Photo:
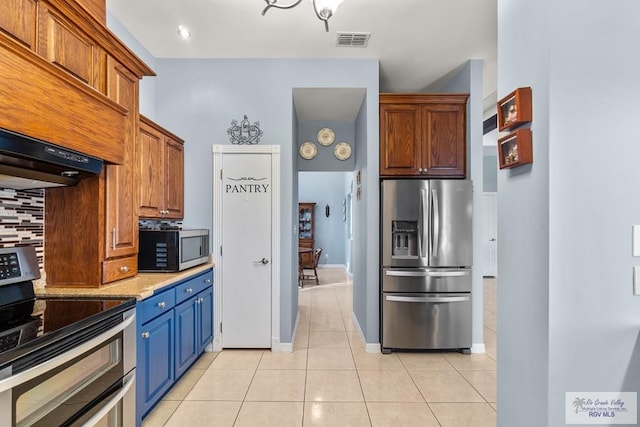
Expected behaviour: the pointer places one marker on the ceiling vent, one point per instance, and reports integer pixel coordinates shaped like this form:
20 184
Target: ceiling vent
352 39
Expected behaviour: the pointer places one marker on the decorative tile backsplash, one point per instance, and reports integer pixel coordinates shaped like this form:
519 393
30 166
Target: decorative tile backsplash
158 224
22 219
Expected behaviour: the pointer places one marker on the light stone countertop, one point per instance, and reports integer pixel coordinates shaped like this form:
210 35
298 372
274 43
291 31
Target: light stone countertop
140 287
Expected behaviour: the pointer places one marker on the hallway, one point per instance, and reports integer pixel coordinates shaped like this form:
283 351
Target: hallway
329 379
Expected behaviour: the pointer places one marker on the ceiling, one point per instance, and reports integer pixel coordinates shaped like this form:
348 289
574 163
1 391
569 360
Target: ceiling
418 42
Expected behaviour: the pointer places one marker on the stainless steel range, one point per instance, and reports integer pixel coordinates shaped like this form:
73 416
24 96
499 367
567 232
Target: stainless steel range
63 362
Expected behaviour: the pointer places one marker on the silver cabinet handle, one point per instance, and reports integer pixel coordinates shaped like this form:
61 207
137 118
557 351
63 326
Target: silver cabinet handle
113 238
145 335
424 170
188 290
428 299
207 281
262 261
162 304
124 269
419 170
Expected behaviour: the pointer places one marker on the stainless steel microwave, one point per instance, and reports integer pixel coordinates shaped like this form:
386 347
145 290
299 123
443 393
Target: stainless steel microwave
172 250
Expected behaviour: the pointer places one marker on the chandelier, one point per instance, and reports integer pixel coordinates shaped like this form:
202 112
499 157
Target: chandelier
324 9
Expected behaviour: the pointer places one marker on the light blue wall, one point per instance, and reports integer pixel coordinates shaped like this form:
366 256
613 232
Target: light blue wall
366 217
198 98
326 188
523 250
565 266
469 80
325 160
490 173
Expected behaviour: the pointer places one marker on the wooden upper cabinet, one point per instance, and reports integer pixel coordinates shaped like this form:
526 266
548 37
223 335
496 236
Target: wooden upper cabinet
443 130
18 20
150 160
423 135
400 133
121 219
174 178
95 223
161 172
64 45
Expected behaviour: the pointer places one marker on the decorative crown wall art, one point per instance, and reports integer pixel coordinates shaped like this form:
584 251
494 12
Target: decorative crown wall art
244 132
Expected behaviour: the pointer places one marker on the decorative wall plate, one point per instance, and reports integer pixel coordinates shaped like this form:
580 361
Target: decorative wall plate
326 136
308 150
342 151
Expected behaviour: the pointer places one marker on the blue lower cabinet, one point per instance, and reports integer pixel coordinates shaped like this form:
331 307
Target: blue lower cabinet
186 315
174 327
205 319
154 371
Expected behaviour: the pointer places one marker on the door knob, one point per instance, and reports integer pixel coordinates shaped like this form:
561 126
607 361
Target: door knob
262 261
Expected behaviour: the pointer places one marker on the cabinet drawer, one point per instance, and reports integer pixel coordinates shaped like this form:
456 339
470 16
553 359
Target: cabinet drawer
120 268
156 305
192 286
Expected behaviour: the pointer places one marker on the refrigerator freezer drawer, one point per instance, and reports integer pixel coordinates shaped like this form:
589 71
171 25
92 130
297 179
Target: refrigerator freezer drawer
426 321
426 280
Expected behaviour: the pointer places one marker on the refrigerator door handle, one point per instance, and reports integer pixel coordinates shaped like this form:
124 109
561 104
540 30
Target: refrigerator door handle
447 274
422 238
428 299
406 273
395 273
435 214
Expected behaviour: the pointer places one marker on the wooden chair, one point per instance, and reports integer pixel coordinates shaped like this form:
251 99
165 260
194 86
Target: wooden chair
312 266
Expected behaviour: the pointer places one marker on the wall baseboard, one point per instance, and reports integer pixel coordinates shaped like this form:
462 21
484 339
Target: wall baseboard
368 347
478 347
332 266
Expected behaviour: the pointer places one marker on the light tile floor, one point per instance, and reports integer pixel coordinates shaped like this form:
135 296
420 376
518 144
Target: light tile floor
329 380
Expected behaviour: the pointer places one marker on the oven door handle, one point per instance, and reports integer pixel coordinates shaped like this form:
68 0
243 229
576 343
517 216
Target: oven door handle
29 374
128 382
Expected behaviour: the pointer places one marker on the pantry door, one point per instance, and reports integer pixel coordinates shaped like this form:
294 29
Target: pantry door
246 214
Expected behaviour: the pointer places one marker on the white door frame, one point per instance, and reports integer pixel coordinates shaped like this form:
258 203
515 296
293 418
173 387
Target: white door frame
218 274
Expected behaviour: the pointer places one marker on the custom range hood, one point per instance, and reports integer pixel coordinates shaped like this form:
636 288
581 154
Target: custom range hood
29 163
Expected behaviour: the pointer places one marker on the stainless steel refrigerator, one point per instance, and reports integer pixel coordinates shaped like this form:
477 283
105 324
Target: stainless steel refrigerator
427 255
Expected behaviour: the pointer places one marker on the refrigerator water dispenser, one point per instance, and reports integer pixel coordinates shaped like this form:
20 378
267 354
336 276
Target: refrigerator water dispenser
405 239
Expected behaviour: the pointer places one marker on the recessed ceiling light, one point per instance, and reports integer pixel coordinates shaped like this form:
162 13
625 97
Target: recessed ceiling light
184 32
